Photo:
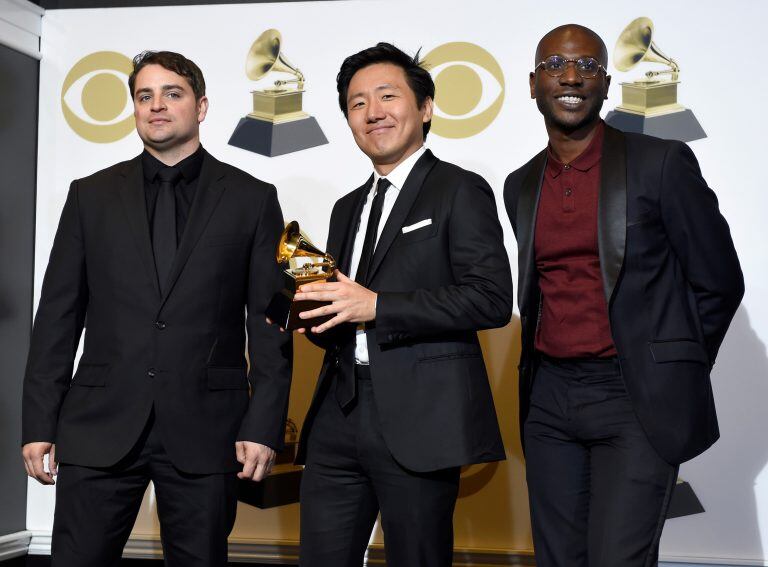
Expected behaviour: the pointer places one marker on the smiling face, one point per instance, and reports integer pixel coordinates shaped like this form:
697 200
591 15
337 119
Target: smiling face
167 114
570 102
384 117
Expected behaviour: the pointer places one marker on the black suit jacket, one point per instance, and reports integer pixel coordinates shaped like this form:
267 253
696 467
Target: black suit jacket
184 352
436 286
671 278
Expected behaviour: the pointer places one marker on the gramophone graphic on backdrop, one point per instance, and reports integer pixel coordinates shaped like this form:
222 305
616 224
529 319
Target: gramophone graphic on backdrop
684 501
649 105
277 125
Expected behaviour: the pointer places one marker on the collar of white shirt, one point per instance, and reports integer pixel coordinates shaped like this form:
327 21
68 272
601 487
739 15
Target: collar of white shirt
398 175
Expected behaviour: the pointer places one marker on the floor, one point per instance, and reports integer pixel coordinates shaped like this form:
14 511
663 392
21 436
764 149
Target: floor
45 561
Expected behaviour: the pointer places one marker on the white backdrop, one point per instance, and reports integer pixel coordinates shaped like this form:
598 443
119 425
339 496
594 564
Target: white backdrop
724 79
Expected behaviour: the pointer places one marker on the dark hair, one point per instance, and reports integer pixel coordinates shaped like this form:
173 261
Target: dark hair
173 62
419 79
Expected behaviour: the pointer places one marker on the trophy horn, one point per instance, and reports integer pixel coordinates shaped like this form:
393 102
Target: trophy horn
635 44
265 56
293 244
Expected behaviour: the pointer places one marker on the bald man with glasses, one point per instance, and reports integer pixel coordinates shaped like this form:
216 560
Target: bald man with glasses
628 281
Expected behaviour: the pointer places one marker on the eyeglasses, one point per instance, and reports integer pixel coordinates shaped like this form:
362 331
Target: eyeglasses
586 67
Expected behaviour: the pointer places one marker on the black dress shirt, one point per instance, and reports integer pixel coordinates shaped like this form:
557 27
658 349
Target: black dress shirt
184 190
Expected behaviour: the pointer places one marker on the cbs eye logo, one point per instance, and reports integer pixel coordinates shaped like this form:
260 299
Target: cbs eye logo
469 89
94 97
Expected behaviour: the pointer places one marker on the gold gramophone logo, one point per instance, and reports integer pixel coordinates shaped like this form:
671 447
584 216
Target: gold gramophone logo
277 124
302 263
649 104
469 89
95 98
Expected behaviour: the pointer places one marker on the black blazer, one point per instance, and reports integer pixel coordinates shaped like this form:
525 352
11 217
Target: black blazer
671 278
183 353
437 286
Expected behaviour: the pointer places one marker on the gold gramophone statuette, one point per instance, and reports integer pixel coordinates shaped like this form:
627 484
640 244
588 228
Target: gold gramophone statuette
281 103
656 92
303 263
277 124
649 104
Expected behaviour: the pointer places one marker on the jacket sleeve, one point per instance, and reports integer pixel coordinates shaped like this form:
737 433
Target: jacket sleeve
480 298
57 329
701 240
511 195
270 351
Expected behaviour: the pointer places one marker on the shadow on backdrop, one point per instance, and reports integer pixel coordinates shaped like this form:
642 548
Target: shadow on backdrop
724 477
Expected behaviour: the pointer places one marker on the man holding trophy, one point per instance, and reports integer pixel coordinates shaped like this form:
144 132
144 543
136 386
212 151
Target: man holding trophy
403 399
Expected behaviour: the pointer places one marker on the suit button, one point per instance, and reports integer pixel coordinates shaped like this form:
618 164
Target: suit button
336 361
152 372
160 325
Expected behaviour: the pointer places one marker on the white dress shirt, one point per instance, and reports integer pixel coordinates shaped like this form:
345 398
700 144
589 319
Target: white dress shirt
397 179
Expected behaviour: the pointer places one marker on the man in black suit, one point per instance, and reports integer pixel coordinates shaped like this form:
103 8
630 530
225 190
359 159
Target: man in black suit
628 280
403 398
159 258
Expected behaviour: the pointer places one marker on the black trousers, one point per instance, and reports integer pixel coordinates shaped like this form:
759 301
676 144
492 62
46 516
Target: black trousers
96 509
350 475
598 490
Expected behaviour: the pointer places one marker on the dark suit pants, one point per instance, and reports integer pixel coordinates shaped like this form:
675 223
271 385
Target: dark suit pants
96 509
350 475
598 490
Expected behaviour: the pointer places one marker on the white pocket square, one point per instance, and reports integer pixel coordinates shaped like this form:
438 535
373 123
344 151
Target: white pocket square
420 224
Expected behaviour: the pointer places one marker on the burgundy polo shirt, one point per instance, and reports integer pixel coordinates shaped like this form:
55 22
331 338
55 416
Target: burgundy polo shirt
574 314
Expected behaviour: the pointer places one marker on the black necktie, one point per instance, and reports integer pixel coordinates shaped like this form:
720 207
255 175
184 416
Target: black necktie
371 232
164 224
346 386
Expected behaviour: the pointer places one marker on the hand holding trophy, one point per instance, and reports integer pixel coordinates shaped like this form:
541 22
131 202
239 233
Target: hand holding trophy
304 263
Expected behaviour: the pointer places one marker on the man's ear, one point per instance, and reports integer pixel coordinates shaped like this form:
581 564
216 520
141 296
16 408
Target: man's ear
532 83
202 108
428 107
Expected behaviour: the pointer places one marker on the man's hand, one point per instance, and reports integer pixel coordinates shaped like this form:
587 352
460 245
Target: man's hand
257 460
350 302
33 454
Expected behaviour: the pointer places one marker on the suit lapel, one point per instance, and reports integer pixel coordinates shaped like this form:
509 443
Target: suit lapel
612 209
134 201
527 208
403 204
353 224
210 187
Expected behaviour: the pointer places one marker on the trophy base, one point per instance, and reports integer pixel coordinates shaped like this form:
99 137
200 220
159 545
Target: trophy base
287 455
278 489
684 501
650 97
681 125
283 311
275 139
277 105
